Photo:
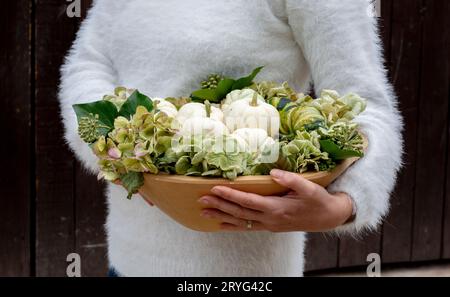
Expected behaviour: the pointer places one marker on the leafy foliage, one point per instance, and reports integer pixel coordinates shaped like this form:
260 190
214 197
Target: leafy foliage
131 104
103 112
132 137
225 86
337 153
132 181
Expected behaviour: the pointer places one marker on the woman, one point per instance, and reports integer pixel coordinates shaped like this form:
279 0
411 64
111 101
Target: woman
164 48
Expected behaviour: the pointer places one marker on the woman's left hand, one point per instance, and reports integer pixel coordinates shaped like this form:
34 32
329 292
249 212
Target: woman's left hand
308 207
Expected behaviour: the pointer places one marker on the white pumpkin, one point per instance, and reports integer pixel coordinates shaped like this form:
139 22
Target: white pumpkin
205 127
198 110
252 113
237 95
254 138
242 145
165 106
265 148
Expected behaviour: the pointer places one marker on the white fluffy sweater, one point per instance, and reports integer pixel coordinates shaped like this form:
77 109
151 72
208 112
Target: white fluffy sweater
164 48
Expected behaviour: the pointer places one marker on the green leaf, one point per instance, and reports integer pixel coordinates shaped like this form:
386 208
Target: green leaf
106 111
214 172
224 87
246 81
132 181
206 94
336 153
136 99
182 166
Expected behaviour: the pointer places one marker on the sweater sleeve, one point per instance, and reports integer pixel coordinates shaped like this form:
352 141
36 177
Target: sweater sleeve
86 76
340 41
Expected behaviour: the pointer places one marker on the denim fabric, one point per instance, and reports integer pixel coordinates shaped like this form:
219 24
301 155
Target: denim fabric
113 273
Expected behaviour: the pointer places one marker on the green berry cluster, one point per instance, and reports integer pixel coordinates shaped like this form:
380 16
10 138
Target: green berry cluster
212 81
88 128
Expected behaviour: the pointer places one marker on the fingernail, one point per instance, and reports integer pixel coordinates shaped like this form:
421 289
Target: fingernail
276 173
204 201
217 190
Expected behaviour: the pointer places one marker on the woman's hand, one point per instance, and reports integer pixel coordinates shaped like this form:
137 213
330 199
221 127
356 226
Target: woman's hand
308 207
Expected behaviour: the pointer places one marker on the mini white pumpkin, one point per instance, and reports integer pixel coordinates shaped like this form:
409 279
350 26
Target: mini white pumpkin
164 106
198 110
257 141
252 113
254 138
237 95
206 127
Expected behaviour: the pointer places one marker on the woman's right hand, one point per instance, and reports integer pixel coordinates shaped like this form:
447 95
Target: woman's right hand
147 199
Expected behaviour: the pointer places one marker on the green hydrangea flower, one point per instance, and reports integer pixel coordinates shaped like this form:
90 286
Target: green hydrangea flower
134 145
336 108
214 157
273 92
345 135
119 97
303 154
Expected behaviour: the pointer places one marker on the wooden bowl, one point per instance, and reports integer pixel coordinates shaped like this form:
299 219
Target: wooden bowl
178 195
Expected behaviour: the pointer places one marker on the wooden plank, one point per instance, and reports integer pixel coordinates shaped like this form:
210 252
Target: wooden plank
15 151
55 220
321 252
446 229
432 134
90 220
385 24
353 252
90 215
405 71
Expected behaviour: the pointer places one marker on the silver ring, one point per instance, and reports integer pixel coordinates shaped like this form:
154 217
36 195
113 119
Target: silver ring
249 224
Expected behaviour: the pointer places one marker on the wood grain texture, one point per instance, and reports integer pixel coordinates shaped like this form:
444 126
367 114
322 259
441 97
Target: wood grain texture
446 227
90 217
90 213
321 252
16 149
353 252
432 134
405 51
55 219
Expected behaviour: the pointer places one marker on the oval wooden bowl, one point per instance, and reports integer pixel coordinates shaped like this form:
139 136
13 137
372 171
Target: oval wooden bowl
178 195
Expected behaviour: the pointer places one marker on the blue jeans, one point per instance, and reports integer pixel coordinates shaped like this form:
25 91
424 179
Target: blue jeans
113 273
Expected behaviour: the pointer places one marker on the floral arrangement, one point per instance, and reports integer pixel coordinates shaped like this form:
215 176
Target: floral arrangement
227 128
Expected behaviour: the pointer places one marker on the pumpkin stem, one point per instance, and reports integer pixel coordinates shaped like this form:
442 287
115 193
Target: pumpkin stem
155 104
254 101
208 108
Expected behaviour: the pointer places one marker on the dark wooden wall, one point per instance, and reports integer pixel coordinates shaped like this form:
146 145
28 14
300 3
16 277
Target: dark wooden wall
49 207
